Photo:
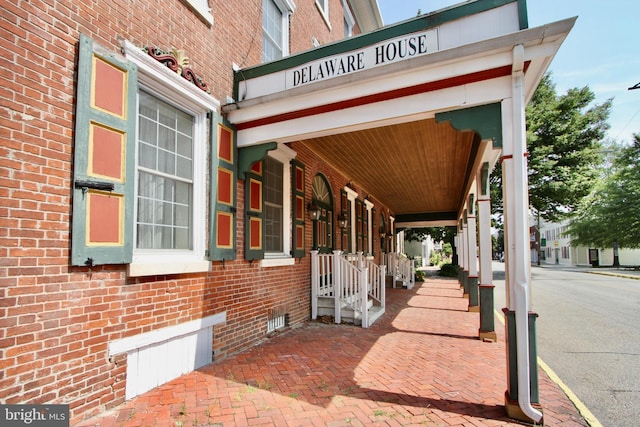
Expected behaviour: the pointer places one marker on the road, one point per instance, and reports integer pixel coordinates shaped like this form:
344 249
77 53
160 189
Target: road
588 332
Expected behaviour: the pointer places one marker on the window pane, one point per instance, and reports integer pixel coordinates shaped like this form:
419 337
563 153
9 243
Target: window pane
271 31
273 204
147 156
165 195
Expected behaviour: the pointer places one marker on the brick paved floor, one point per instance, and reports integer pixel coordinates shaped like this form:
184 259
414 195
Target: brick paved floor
420 364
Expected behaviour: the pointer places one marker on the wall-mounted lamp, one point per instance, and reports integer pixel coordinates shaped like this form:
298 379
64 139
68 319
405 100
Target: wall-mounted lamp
314 211
343 221
383 235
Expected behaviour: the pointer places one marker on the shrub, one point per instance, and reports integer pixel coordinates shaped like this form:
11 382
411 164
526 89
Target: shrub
420 274
449 270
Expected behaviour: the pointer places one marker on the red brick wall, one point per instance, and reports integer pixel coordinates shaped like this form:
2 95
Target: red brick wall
55 320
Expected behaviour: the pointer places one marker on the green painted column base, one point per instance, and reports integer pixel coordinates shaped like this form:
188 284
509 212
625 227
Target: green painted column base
465 282
515 412
474 305
511 395
487 317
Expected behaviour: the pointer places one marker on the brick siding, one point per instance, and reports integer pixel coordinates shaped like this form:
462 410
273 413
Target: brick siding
56 320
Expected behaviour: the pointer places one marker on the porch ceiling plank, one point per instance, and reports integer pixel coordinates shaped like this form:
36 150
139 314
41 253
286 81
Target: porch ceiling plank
415 167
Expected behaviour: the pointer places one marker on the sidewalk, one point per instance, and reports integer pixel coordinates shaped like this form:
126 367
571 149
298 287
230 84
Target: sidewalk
420 364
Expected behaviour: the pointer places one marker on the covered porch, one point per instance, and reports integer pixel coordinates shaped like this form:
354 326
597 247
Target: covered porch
417 114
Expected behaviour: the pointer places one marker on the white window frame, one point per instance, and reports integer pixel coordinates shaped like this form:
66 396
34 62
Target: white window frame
287 7
351 197
202 9
348 17
369 206
323 8
284 155
158 80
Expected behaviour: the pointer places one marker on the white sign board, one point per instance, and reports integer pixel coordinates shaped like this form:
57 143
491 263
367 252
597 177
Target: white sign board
383 53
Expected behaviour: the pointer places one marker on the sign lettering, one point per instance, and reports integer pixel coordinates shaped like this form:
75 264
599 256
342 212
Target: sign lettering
387 52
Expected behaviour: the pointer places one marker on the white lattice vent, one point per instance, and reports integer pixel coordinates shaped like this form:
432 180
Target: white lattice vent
277 318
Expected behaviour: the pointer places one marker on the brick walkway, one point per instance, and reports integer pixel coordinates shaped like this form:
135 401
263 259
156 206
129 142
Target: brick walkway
420 364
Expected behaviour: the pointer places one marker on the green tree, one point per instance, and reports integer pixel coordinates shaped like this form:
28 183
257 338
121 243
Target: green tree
611 212
564 141
438 234
447 250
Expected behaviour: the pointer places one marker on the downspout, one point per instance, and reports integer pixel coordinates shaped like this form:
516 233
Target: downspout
522 267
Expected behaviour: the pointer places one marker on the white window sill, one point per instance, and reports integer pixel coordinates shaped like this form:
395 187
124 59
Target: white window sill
277 262
139 269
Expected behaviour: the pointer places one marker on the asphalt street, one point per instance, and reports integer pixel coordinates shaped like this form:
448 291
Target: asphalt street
588 333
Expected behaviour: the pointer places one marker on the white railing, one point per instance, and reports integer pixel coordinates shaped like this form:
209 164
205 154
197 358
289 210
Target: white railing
406 271
349 279
401 268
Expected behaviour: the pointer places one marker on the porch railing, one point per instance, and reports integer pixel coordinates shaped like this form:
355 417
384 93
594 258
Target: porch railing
349 280
400 268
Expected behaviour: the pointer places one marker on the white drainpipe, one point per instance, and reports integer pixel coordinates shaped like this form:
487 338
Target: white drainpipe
522 267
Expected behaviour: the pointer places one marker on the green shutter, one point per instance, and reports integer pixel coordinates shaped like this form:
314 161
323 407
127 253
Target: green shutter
104 156
298 209
345 233
373 232
254 212
359 227
222 237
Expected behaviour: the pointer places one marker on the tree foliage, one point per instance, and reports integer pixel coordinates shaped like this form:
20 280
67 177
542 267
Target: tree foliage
564 141
611 212
438 234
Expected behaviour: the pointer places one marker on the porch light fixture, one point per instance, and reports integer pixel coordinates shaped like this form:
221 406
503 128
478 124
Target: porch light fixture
382 235
343 221
314 211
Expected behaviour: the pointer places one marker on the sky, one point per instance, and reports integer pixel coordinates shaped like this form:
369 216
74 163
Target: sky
602 50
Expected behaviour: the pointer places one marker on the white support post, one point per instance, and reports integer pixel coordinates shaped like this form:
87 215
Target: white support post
485 287
484 231
465 258
364 295
315 278
383 275
337 285
473 258
516 203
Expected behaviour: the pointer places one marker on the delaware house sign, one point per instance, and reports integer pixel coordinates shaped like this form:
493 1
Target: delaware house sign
383 53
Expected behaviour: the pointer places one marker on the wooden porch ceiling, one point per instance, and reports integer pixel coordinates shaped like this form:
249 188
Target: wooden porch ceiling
419 167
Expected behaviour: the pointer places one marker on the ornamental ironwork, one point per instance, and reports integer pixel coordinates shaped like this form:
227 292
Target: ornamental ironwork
178 62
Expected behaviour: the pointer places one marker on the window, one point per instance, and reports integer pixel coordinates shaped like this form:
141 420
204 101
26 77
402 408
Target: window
277 206
273 205
171 171
349 22
323 7
165 176
321 196
275 28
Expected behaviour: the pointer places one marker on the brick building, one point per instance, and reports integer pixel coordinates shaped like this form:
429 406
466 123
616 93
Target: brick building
59 318
161 163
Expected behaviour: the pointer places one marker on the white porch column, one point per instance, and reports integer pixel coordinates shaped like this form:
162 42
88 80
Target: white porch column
351 197
473 259
393 248
465 254
516 208
458 253
485 287
369 206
